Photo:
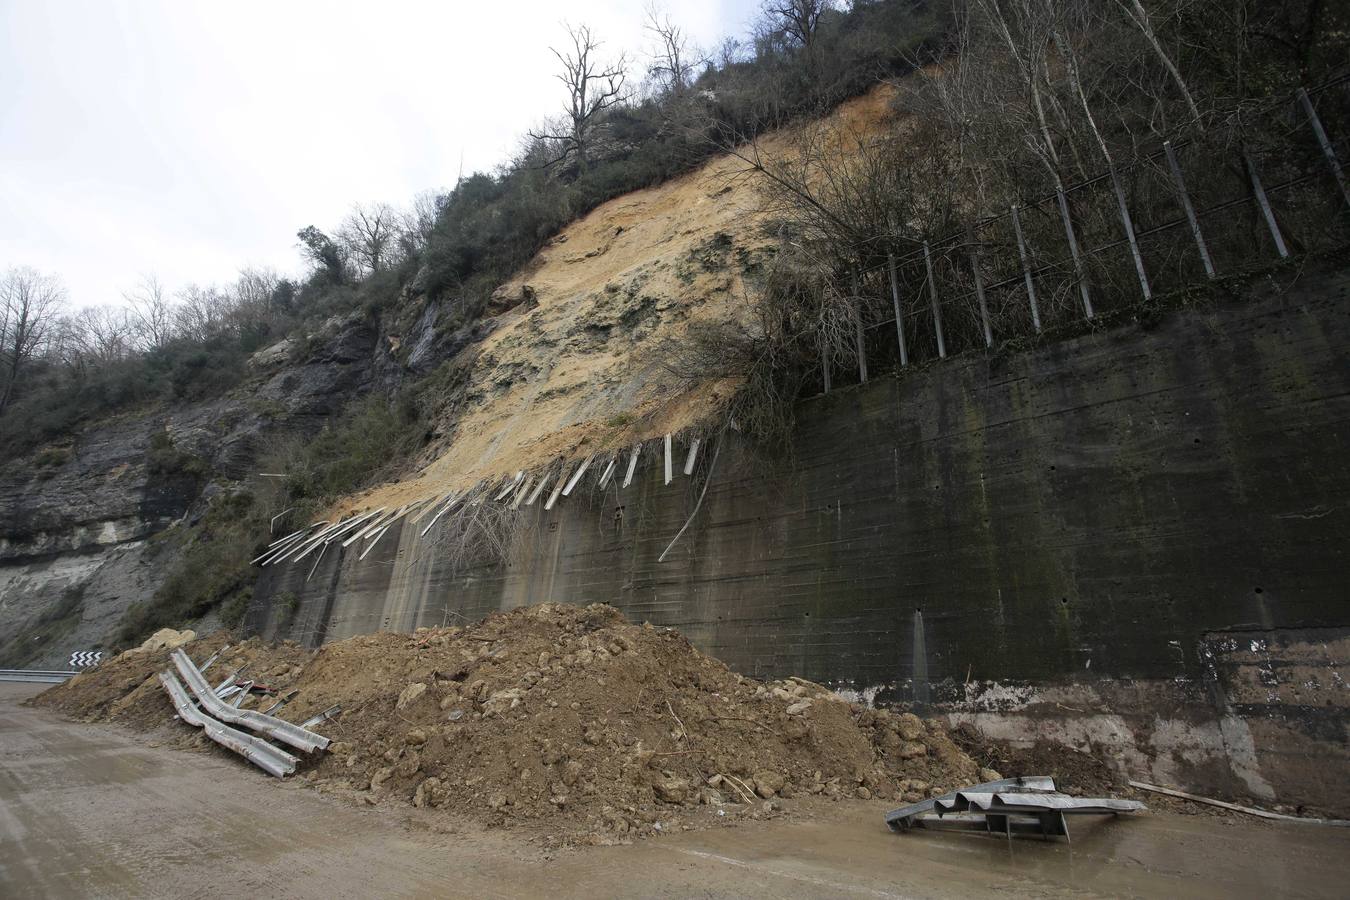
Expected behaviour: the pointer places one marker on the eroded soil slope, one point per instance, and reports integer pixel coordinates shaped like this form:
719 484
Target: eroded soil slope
583 359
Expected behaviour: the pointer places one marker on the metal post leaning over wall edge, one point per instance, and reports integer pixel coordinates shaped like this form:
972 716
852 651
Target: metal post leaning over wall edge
932 296
895 300
1327 149
1188 208
1264 204
1128 223
1073 251
899 317
1026 270
973 250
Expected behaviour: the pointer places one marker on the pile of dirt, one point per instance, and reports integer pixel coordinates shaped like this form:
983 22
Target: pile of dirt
568 717
126 688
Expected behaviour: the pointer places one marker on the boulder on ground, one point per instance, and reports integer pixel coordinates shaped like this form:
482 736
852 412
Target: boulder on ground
167 639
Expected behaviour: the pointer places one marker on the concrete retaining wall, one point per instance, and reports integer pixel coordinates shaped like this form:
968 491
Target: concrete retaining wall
1118 541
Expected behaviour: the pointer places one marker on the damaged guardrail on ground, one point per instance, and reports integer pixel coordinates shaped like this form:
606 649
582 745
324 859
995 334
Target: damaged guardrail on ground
213 713
1030 804
286 732
271 759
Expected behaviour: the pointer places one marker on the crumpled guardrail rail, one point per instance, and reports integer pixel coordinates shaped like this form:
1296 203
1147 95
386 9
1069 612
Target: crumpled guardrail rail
1005 802
902 818
265 756
286 732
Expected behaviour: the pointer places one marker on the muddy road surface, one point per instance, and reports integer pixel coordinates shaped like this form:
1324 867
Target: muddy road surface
91 811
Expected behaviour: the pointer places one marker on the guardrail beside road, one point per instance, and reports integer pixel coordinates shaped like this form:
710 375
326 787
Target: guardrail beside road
40 675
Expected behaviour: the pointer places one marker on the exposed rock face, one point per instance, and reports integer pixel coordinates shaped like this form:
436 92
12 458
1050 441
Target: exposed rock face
275 355
74 533
103 494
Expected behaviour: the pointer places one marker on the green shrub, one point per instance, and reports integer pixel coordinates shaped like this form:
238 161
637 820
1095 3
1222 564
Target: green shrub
52 457
165 459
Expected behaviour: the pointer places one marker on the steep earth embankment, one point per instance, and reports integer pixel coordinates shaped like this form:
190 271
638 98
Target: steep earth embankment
584 356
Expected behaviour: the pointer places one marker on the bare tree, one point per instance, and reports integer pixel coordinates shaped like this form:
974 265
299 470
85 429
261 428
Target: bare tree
367 234
201 313
254 287
249 308
592 88
31 303
730 52
798 20
674 60
1139 16
105 334
419 221
151 311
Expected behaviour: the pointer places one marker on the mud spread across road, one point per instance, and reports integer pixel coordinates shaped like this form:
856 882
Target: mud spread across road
92 810
567 721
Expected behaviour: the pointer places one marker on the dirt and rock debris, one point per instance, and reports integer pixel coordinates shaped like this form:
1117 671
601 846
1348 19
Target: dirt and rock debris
569 718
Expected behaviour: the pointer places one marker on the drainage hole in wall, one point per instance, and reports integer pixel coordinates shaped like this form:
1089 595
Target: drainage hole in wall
1064 601
1259 591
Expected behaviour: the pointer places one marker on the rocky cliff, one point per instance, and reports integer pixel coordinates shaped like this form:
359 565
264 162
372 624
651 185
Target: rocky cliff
87 526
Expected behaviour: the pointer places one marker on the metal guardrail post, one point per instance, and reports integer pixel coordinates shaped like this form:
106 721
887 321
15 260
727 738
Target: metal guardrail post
1026 270
933 297
973 249
1073 251
1130 235
1264 204
899 317
1327 149
1188 208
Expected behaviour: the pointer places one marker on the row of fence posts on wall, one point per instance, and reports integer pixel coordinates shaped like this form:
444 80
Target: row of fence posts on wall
1258 192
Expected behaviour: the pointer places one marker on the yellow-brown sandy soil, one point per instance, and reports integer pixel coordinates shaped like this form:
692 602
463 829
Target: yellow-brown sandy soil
583 365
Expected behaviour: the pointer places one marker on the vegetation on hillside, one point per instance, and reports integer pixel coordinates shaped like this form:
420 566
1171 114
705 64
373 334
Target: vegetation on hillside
64 369
1015 98
1034 98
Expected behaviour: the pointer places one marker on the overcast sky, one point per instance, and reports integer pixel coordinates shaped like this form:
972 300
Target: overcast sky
188 139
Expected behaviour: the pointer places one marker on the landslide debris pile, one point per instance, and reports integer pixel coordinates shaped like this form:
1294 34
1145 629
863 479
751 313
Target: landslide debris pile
571 717
126 688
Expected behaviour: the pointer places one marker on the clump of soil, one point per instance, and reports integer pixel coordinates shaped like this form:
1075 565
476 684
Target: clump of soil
1076 773
567 717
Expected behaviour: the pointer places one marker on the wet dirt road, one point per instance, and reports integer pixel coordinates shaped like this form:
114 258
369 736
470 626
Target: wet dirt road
91 811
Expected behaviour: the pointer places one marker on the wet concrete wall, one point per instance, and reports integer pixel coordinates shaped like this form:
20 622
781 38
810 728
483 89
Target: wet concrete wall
1075 533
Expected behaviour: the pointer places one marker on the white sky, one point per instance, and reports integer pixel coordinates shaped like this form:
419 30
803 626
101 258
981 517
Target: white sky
188 138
